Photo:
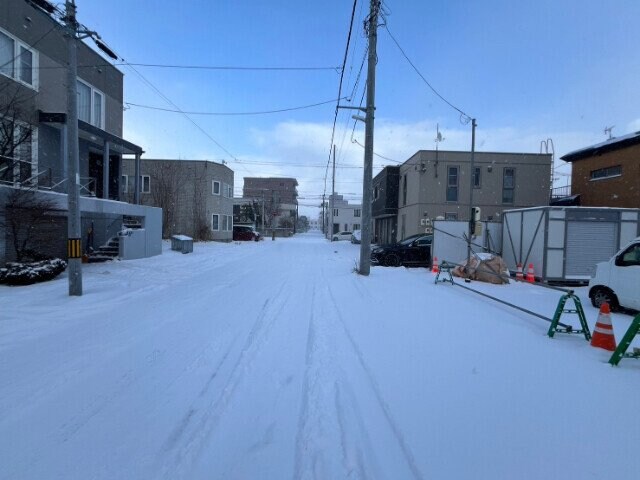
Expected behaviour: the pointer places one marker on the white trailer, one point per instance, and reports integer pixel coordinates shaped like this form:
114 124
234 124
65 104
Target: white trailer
564 244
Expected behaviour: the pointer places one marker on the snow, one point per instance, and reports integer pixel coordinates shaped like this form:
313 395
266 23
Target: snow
274 360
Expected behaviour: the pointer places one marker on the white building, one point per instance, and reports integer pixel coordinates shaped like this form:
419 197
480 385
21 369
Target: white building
343 216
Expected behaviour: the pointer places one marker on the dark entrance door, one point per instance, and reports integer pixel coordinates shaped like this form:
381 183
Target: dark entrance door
97 176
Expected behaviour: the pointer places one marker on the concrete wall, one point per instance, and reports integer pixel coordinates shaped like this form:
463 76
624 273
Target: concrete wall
426 181
622 191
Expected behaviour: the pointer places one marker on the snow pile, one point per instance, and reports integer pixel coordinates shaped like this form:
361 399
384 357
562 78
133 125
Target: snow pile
30 273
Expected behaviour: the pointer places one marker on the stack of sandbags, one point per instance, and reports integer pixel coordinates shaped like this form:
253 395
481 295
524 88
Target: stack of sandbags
484 267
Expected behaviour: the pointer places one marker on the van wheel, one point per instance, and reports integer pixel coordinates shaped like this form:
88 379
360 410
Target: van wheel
600 295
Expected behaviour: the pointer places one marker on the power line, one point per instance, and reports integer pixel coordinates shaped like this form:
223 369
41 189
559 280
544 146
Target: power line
377 154
463 116
335 117
202 67
265 112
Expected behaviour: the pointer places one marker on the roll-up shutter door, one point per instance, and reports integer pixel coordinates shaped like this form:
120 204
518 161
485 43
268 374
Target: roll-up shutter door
589 243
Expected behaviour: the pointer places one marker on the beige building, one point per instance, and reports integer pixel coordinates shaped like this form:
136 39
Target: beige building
196 196
436 184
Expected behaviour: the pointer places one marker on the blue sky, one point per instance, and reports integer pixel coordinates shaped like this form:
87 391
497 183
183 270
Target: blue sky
527 71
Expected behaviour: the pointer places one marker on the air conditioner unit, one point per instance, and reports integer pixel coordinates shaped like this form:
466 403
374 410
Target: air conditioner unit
423 222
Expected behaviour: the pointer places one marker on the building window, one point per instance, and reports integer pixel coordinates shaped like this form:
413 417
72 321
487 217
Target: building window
90 104
356 212
335 212
356 226
404 190
607 172
508 184
215 222
215 187
19 164
452 184
145 184
124 184
17 60
450 216
346 227
225 220
476 177
229 223
228 190
376 192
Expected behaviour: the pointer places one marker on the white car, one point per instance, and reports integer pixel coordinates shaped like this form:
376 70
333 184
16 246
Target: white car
617 281
341 236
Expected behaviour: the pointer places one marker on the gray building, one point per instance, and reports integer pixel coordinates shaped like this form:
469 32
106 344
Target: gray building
196 196
436 184
33 105
384 208
278 198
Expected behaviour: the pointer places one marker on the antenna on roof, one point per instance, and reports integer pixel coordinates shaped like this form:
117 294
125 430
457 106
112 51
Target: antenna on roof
607 130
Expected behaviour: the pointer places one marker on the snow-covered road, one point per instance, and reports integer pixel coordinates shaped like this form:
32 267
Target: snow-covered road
273 360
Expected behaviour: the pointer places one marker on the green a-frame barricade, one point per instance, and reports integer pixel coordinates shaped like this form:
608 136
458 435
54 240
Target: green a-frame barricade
621 351
560 309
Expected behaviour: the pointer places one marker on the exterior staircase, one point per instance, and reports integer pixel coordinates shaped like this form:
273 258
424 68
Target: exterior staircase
111 249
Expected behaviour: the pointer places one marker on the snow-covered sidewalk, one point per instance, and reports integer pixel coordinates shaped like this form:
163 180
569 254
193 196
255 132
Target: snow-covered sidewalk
274 360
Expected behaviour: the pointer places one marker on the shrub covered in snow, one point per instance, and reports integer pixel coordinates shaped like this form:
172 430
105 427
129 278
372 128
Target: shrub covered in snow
29 273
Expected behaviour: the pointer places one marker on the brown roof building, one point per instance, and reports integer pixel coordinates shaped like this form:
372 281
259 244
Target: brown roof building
607 174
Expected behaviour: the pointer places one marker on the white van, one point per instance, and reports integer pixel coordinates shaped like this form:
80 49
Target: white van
617 281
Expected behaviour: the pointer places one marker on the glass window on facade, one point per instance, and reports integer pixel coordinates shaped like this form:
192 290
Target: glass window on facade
452 184
508 185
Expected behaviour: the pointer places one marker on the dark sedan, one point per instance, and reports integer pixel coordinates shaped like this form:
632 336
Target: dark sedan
412 251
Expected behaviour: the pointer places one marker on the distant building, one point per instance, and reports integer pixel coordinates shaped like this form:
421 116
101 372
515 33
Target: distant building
436 184
196 196
607 174
343 216
277 197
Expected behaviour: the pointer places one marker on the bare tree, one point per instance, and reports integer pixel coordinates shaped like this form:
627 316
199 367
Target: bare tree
25 216
167 180
201 229
16 132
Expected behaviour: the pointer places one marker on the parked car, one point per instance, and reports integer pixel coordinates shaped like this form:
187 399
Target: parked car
341 236
245 233
356 236
617 282
412 251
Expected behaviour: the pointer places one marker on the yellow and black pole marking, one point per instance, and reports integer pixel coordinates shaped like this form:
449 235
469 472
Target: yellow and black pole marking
74 248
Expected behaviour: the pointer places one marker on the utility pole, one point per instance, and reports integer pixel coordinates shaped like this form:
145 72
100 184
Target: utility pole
365 245
323 220
471 185
74 240
333 194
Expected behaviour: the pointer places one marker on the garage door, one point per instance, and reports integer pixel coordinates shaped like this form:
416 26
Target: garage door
587 244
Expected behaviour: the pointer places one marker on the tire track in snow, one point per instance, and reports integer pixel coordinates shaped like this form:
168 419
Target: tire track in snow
397 432
183 452
303 416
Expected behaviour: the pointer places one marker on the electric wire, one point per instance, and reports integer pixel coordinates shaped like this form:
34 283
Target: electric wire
335 117
464 118
265 112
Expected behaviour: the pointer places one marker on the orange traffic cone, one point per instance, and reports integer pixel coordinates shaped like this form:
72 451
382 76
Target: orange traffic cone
434 267
519 272
603 336
530 277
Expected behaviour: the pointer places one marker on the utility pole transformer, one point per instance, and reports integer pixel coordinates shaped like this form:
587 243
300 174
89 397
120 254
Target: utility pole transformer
365 245
74 241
